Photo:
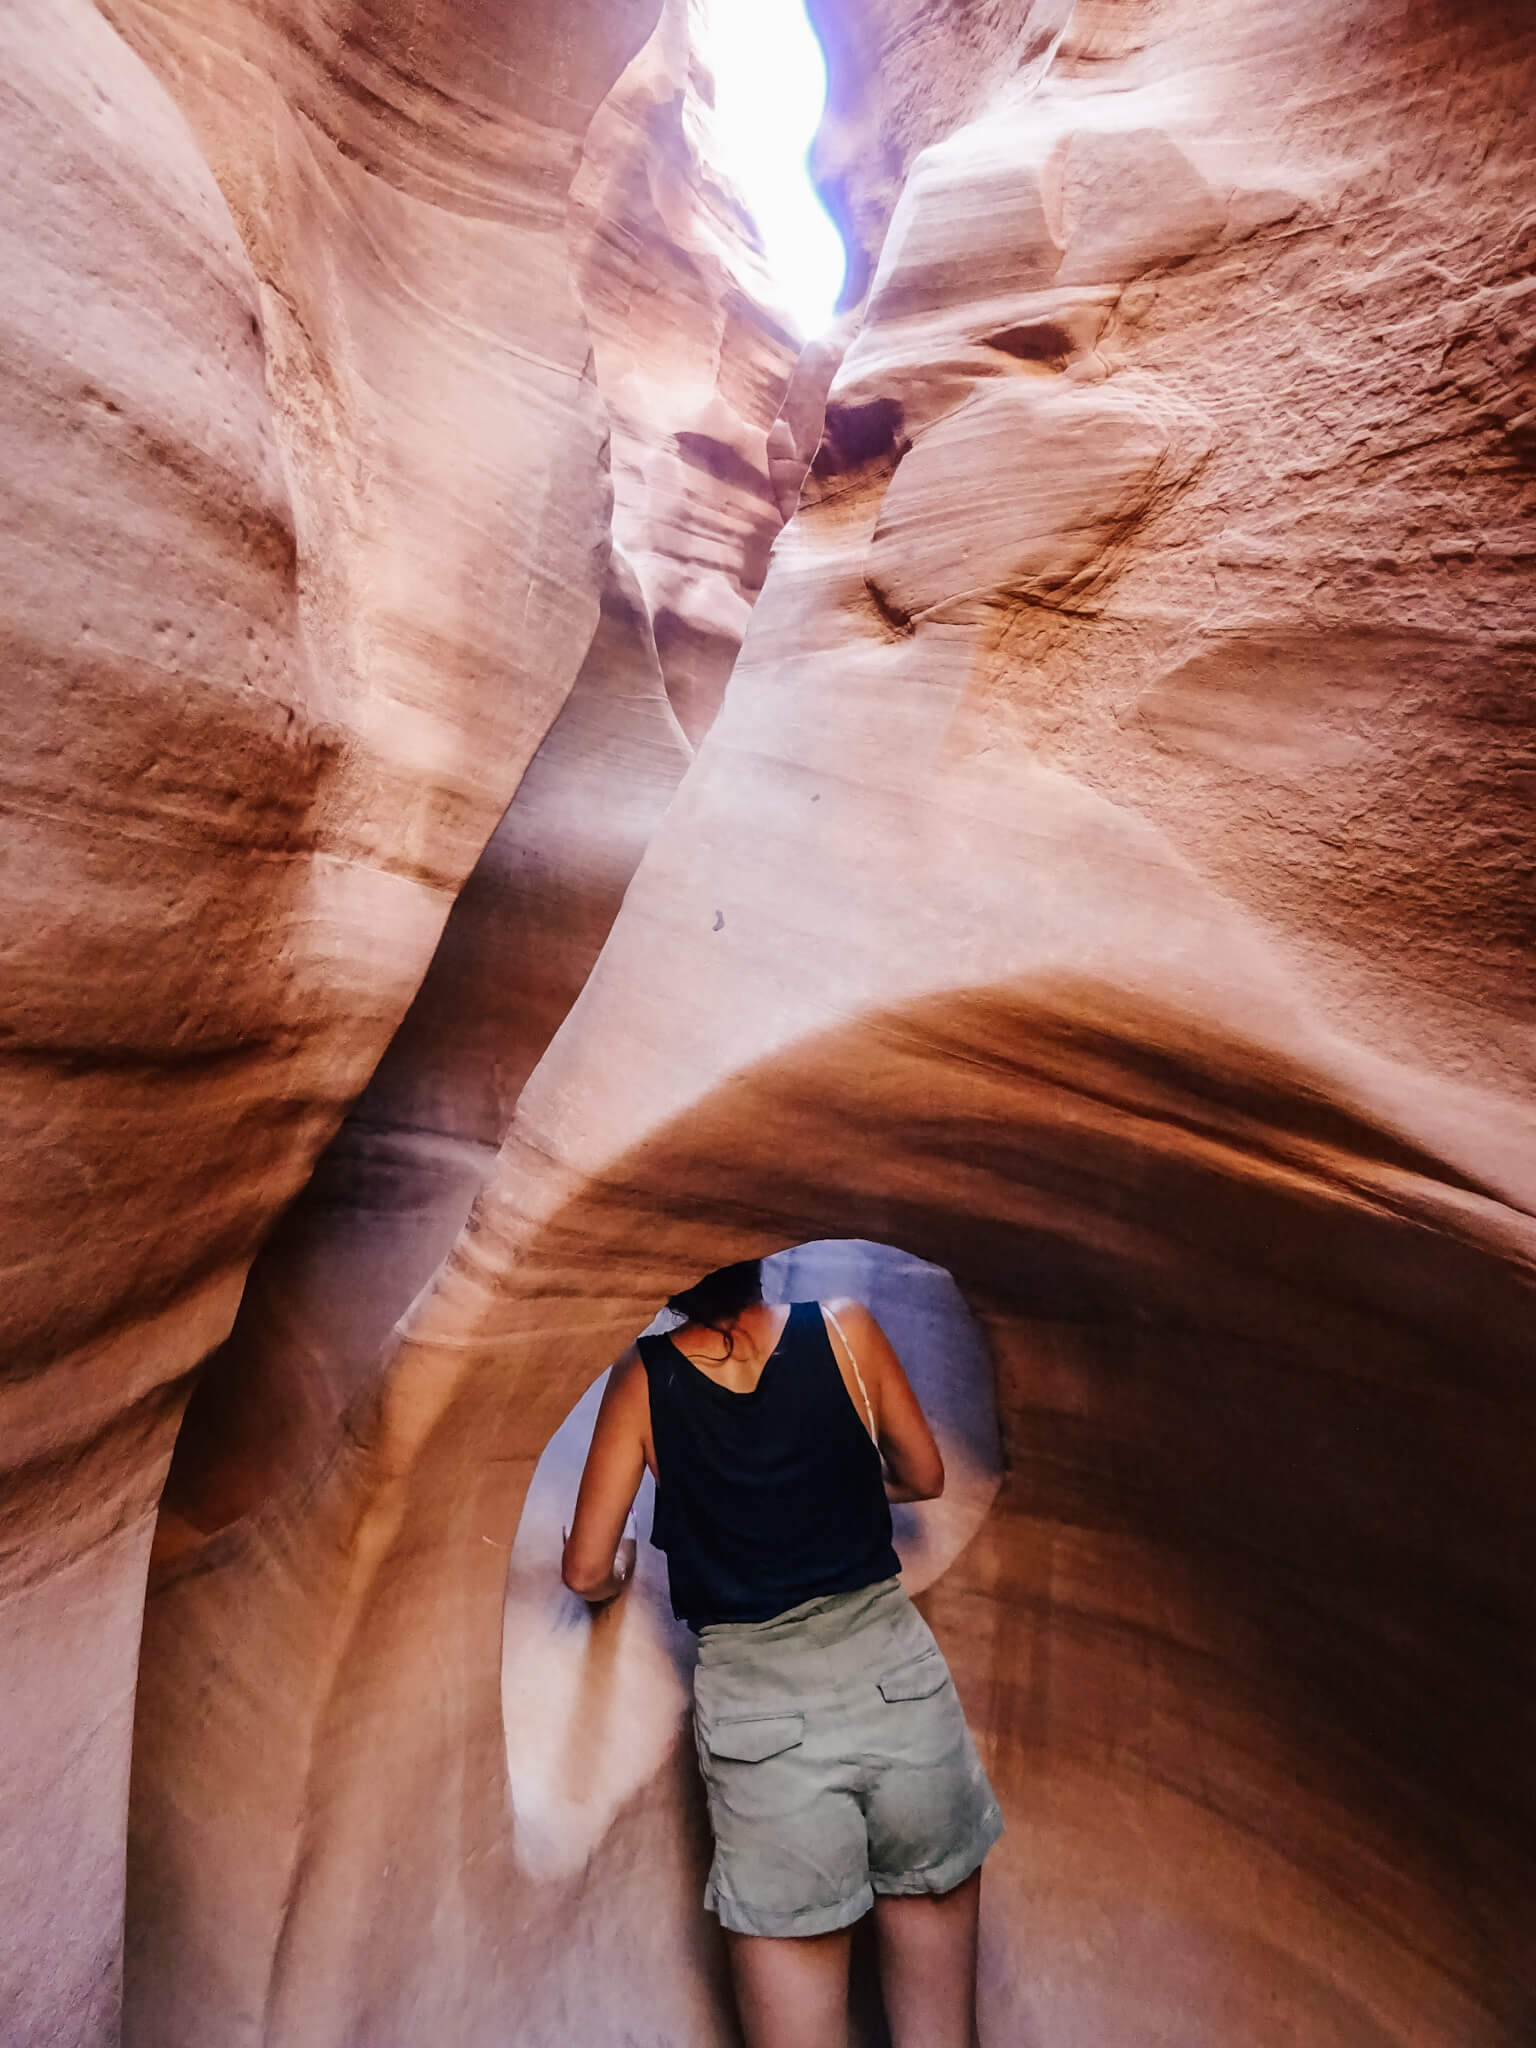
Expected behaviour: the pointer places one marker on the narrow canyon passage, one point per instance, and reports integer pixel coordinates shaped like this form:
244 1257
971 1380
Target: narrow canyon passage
526 785
1222 1625
1242 1653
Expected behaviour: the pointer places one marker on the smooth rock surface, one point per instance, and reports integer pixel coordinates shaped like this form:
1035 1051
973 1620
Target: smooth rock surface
159 1073
1108 878
662 260
690 357
1090 938
307 521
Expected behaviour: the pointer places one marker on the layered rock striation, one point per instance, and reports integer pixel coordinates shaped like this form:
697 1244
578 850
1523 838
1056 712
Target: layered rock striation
691 359
310 569
1108 879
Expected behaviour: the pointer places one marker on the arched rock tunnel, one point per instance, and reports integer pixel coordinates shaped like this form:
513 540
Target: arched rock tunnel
1242 1632
1108 878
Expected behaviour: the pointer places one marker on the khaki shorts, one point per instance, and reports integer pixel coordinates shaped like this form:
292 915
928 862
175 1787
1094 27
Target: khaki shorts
837 1763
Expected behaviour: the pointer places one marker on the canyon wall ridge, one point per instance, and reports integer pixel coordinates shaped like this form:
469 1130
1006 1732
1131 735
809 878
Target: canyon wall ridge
1106 876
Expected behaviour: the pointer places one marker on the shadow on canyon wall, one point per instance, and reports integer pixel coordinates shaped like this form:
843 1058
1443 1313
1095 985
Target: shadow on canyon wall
1245 1632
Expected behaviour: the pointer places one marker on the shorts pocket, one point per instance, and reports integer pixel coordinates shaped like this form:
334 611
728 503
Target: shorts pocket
918 1680
752 1739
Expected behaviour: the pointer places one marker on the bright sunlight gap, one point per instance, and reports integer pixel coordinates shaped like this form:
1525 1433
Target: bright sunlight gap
770 85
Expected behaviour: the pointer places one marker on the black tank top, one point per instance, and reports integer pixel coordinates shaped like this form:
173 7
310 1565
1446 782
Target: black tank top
769 1498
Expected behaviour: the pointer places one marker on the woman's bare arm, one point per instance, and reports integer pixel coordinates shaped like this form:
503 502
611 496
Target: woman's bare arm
914 1466
598 1559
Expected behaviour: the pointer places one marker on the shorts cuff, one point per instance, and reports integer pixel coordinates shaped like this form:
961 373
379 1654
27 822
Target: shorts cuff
740 1919
954 1869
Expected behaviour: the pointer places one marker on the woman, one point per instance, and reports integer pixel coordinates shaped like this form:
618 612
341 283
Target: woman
838 1766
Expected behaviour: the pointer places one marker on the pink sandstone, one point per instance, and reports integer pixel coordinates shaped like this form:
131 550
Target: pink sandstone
1108 878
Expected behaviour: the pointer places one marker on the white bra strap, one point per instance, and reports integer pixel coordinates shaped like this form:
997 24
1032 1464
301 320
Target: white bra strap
853 1361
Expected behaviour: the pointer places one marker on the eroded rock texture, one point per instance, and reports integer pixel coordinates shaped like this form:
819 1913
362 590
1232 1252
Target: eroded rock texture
689 369
1109 879
691 361
308 552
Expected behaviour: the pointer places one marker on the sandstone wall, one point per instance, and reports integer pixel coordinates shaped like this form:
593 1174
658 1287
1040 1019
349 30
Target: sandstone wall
682 396
690 357
307 526
1108 878
1062 895
689 369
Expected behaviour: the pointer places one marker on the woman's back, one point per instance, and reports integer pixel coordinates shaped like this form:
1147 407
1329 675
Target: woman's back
769 1497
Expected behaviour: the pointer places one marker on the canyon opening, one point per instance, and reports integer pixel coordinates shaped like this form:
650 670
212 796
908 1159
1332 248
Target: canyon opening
538 769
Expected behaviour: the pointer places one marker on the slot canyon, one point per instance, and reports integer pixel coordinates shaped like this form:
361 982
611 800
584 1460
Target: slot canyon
526 784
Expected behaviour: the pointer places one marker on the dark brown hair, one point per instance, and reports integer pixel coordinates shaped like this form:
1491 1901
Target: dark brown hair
717 1299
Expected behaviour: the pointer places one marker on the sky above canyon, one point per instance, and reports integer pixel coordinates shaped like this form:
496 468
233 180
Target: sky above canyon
770 83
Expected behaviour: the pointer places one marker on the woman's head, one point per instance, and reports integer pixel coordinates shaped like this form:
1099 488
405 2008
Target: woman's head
717 1299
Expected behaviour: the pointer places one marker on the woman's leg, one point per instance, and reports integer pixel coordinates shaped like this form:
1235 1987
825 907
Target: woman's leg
792 1990
928 1966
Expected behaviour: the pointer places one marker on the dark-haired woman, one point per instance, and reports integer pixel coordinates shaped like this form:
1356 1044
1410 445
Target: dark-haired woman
839 1770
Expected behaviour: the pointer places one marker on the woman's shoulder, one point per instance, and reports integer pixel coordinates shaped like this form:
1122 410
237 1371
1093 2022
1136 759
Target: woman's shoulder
627 1369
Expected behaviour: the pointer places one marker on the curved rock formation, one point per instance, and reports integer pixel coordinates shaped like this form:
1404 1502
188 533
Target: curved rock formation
679 349
691 361
1109 878
167 746
308 526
